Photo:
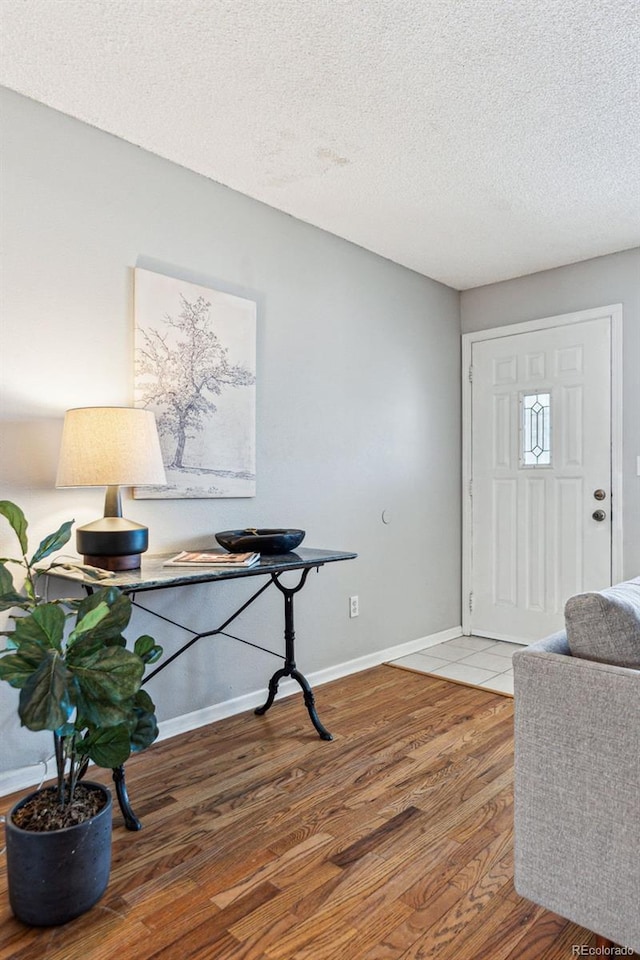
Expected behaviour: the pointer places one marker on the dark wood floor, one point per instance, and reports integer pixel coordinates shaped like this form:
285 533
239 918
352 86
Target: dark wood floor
261 842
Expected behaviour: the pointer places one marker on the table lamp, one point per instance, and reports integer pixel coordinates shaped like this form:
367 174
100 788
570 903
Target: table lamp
110 446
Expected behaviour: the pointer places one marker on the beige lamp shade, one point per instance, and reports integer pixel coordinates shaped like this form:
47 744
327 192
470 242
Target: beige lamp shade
108 446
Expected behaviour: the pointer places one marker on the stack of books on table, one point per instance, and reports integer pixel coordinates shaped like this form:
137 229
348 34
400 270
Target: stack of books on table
212 558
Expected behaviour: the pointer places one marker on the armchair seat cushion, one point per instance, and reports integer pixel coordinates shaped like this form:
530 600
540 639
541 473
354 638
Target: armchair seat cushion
605 626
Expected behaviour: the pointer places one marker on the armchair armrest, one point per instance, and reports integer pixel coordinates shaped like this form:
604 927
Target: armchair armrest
577 788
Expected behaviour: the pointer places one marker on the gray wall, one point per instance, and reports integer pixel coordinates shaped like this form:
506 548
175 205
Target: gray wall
358 396
579 286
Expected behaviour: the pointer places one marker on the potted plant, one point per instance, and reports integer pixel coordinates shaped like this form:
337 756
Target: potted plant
76 677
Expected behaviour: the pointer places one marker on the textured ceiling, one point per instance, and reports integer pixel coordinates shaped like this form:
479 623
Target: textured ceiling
471 140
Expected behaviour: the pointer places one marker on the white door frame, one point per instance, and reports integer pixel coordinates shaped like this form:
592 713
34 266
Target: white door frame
614 313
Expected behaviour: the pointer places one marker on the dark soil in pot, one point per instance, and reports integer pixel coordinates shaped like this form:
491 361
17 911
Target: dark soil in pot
40 812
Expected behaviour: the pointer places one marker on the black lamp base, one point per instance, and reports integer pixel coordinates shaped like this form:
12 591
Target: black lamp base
112 543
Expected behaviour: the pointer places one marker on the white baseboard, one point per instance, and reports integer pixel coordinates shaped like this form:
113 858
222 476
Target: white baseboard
25 777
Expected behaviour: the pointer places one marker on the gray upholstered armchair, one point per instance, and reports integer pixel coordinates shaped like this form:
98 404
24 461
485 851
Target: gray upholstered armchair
577 773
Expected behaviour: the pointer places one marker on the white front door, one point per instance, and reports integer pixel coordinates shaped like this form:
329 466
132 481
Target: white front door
541 476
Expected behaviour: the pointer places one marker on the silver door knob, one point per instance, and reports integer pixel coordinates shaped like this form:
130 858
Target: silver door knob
599 495
599 515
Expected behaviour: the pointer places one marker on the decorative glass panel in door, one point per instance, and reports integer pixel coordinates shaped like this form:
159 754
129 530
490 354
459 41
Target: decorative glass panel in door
535 429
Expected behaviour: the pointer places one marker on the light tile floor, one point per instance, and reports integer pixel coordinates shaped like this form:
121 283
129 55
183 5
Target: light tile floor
474 660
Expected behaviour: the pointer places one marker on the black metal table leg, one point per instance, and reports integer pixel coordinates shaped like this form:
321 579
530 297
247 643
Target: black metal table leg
131 822
289 669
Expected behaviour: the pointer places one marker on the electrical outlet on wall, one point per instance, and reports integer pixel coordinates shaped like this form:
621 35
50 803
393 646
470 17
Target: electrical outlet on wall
354 607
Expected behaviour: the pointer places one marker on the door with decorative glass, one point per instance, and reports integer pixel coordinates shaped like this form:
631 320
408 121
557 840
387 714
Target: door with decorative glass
540 476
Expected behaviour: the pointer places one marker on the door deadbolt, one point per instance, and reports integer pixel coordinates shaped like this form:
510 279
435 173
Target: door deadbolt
599 494
598 515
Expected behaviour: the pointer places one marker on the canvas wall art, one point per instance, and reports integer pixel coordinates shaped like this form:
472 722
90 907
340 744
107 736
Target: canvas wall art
196 369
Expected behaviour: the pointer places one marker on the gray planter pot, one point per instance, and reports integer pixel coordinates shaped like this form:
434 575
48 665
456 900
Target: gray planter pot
57 875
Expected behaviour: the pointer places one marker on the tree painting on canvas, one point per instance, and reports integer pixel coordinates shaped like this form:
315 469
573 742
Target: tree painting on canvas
196 369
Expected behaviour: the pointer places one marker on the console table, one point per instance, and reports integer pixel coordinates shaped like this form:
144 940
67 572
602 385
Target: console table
153 575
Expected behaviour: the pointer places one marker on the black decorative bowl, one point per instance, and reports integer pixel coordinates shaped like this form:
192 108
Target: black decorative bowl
260 541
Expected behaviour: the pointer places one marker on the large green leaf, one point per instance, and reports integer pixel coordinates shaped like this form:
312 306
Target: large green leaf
110 675
18 521
107 748
99 713
107 595
18 668
111 628
44 703
144 732
45 625
88 622
53 542
83 648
